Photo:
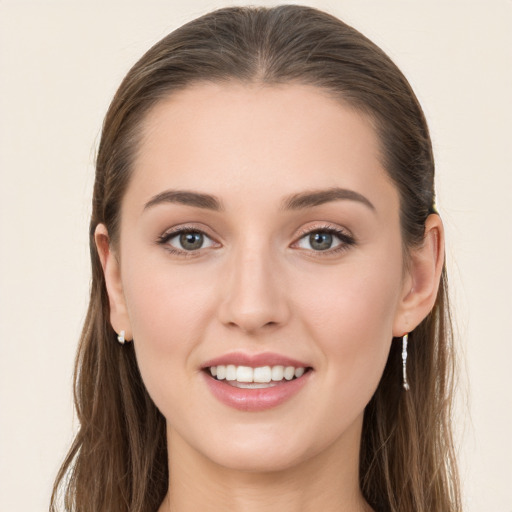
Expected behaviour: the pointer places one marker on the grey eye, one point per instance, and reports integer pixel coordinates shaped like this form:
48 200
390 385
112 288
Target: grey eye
319 241
190 241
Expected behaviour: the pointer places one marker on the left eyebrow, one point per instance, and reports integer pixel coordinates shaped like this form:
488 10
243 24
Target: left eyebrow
186 197
318 197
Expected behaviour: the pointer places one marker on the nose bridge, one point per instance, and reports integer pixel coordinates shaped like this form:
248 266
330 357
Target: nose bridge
254 296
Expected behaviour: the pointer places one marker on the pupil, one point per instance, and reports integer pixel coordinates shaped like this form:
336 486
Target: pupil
320 241
191 241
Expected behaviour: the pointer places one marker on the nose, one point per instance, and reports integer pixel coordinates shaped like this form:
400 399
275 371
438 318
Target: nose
254 297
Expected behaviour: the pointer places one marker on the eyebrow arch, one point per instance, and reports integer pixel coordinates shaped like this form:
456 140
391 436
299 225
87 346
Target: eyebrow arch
187 198
318 197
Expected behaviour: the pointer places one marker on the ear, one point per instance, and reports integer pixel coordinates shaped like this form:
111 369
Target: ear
112 272
422 279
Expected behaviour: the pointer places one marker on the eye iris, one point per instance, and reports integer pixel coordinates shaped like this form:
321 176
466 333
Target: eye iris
191 241
320 241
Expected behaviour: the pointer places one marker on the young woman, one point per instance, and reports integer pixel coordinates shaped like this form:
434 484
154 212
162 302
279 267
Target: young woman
268 325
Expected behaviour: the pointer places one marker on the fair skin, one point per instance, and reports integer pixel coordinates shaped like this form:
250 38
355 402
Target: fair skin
320 280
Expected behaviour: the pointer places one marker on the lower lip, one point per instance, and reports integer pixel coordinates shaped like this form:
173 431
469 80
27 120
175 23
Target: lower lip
259 399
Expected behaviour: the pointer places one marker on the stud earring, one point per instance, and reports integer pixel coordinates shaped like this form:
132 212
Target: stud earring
405 384
120 337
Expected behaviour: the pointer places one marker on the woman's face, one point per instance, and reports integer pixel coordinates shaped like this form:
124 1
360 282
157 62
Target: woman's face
260 230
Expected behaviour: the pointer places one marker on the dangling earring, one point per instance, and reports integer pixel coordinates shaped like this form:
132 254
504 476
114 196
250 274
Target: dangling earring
120 337
405 384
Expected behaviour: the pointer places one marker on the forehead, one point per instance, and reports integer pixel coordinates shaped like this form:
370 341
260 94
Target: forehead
241 139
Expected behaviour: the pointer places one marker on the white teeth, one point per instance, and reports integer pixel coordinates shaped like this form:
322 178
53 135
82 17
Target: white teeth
231 372
251 385
289 372
221 372
261 374
277 372
299 372
244 374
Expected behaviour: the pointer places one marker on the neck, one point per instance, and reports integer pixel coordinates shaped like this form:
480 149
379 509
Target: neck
328 482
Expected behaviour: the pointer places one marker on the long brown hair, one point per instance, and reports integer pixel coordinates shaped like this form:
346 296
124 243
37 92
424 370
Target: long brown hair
118 460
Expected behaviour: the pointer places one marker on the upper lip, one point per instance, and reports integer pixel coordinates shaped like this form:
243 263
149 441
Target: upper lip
254 360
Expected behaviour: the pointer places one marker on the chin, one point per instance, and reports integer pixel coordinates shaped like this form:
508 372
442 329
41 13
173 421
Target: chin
259 459
266 449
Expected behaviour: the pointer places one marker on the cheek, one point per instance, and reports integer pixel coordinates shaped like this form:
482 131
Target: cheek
165 303
357 302
352 318
169 310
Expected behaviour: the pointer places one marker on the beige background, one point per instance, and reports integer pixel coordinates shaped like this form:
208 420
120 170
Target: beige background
60 63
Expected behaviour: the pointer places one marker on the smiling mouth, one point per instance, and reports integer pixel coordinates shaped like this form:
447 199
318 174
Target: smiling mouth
247 377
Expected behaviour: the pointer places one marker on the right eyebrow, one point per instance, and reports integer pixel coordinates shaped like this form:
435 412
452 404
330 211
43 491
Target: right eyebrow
313 198
187 198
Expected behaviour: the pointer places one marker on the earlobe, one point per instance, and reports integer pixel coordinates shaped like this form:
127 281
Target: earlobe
112 272
424 274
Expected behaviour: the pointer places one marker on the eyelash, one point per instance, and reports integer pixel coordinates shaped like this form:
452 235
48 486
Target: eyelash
169 235
346 240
